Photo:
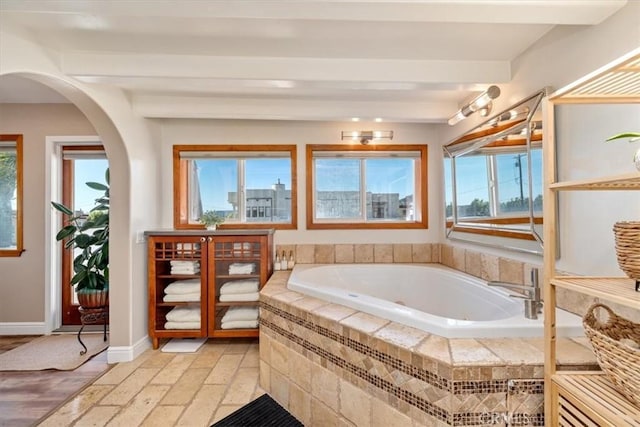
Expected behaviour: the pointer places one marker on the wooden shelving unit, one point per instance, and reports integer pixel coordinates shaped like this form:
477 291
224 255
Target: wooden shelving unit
580 398
588 399
213 252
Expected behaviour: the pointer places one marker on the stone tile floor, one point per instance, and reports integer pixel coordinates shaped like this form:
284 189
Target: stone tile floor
165 389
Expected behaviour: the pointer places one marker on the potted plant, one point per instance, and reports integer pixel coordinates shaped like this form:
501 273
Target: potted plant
89 238
633 136
211 219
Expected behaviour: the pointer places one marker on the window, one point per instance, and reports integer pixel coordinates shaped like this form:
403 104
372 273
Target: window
494 185
251 186
381 186
11 195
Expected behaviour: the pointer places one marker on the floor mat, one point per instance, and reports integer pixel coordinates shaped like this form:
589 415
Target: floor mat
61 352
183 345
264 411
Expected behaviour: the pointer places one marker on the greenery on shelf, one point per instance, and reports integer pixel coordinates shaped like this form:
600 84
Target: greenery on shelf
634 136
211 218
90 235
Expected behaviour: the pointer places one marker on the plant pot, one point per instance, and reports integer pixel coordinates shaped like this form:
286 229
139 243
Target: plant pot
627 236
93 298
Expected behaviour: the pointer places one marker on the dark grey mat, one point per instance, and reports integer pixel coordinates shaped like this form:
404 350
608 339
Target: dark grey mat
264 411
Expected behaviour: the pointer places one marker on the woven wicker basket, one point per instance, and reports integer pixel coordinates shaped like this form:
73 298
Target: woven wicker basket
627 235
620 361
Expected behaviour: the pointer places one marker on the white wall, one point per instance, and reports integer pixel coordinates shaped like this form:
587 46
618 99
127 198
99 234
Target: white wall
587 217
560 57
22 290
301 133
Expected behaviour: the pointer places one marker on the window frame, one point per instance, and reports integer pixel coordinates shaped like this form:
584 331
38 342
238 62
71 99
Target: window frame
18 139
421 183
481 225
181 186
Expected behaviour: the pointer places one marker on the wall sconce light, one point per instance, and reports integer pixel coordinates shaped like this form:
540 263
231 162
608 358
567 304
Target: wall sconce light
481 102
365 136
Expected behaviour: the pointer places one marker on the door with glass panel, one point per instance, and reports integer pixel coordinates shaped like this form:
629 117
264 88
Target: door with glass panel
80 164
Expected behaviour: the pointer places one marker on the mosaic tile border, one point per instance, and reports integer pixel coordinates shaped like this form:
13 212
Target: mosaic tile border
454 387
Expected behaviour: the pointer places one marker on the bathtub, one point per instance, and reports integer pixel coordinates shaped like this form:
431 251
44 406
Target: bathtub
430 297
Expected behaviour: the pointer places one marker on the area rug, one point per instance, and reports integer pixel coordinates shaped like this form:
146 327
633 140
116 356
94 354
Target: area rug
262 412
183 345
60 352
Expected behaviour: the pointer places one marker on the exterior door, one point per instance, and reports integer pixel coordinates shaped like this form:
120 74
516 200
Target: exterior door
80 164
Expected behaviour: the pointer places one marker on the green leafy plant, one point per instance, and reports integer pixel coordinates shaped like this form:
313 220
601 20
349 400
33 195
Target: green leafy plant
633 136
211 218
89 234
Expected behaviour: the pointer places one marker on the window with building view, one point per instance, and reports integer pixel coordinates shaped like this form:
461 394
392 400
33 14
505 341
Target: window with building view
11 195
247 186
495 185
366 186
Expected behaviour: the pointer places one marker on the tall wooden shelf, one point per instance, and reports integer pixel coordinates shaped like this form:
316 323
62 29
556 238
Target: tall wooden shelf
572 398
214 252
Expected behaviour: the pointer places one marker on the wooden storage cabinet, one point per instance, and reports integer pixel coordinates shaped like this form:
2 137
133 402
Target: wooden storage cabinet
208 259
585 398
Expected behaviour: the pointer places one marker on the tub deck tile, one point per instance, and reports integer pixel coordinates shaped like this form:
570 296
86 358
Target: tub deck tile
364 322
435 347
514 350
469 351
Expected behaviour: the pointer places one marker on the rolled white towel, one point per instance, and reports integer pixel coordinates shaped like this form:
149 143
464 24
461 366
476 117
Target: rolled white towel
241 268
239 287
240 324
253 296
240 313
190 313
182 325
193 297
178 287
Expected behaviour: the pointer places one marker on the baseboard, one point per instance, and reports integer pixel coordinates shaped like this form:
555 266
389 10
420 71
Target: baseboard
127 353
23 328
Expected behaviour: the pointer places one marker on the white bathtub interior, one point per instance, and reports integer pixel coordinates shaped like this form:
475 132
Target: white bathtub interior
430 297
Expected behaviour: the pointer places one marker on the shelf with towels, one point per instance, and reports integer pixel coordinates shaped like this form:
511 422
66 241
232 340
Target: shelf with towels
202 262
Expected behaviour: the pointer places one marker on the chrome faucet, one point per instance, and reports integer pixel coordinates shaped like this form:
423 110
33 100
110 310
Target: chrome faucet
531 297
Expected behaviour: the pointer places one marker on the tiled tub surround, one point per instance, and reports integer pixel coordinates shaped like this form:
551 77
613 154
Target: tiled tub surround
331 365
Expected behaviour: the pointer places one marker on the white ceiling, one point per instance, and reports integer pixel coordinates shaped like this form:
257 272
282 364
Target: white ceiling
412 61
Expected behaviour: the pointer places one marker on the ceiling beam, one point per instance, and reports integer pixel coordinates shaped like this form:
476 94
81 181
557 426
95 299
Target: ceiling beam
86 65
153 106
565 12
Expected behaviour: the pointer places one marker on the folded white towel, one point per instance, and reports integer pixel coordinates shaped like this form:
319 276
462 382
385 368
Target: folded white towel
241 268
240 324
193 297
188 286
180 263
190 313
182 325
239 287
253 296
240 313
187 246
181 270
